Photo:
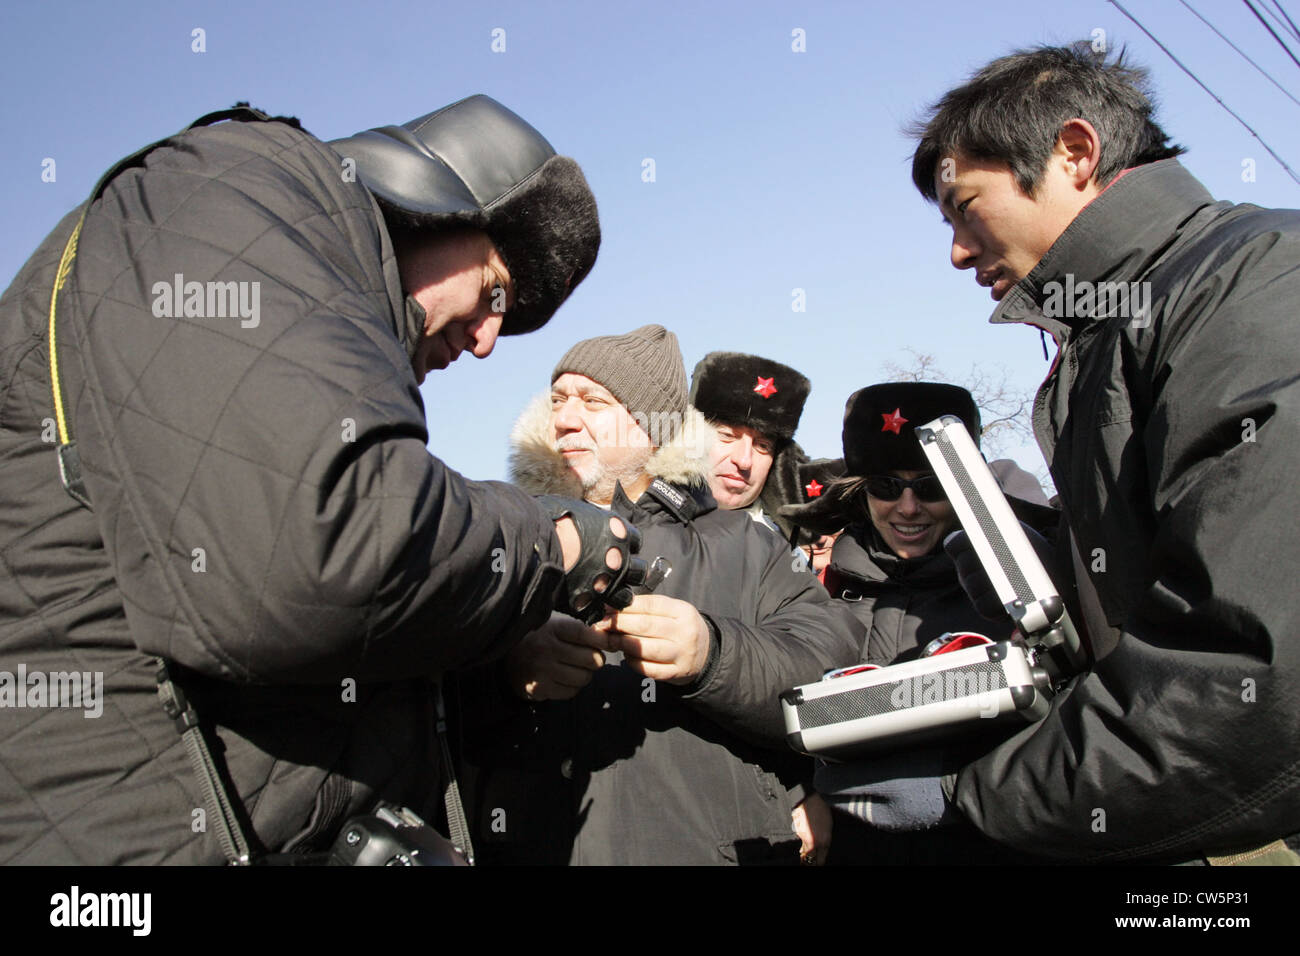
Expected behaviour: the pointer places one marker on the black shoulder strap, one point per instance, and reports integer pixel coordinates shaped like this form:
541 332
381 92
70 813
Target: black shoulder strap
220 810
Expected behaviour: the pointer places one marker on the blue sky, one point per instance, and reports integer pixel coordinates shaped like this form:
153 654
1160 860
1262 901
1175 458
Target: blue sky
774 170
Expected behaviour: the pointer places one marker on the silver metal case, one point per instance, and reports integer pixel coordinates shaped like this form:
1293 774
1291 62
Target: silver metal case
909 703
1018 577
965 691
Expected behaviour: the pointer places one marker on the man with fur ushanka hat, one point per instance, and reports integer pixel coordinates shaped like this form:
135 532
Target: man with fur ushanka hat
662 739
755 405
815 480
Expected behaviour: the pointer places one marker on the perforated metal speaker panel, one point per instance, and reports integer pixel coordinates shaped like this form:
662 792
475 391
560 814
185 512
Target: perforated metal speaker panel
879 698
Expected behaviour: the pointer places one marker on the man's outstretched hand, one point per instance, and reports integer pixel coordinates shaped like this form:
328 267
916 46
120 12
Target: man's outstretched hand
555 661
598 552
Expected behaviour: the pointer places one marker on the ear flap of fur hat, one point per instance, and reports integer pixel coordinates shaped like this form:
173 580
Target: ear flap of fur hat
548 233
880 424
476 163
816 510
782 487
732 388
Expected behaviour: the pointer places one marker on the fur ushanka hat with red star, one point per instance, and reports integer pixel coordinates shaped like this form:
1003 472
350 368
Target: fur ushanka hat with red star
816 511
880 423
879 437
732 388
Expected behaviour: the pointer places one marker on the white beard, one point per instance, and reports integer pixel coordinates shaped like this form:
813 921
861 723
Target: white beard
598 484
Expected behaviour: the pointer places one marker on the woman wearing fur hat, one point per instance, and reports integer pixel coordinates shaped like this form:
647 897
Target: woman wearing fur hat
890 567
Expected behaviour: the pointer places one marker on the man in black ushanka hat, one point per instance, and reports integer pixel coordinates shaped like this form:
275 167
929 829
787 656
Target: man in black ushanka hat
755 404
814 515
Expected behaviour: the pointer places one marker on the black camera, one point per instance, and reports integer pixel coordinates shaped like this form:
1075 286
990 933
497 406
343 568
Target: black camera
393 836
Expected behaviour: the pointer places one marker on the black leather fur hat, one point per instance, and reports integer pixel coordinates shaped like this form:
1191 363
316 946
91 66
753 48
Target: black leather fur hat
475 163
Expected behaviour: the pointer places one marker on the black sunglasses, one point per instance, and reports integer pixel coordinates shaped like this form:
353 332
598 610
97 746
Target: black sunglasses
889 488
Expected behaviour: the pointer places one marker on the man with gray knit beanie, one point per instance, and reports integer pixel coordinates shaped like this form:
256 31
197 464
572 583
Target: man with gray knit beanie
643 371
661 739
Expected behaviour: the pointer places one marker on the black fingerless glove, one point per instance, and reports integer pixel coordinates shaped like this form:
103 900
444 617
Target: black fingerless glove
592 585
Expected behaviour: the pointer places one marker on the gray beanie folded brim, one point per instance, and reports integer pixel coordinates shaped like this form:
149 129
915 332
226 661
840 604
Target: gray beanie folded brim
643 369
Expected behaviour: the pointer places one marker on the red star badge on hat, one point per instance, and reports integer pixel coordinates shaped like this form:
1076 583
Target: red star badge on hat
765 387
893 422
814 489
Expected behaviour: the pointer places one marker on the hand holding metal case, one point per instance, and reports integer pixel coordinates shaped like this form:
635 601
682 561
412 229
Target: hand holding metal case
914 702
1005 553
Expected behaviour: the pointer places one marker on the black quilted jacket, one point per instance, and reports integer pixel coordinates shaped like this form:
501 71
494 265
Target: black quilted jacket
265 513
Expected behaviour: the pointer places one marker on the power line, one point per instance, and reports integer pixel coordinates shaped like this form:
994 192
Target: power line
1282 10
1280 160
1288 26
1251 7
1266 74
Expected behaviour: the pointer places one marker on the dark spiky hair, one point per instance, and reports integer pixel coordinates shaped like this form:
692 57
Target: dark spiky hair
1012 111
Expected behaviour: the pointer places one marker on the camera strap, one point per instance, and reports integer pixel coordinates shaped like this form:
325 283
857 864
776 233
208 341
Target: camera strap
457 822
69 460
220 810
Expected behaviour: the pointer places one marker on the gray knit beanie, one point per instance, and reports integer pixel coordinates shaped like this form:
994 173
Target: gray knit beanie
643 369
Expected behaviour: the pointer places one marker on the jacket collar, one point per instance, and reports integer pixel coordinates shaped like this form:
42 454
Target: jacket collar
860 554
1114 238
680 503
411 330
408 315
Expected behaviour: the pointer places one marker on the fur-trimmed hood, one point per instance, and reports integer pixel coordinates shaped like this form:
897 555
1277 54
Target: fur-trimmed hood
537 468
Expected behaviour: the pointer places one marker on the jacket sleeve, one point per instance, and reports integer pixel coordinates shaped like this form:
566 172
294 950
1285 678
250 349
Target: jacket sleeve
260 473
799 633
1182 741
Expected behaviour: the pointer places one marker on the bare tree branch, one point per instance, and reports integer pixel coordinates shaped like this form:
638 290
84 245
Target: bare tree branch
1005 411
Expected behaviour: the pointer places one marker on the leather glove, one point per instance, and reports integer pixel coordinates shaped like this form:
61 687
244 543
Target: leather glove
971 574
592 584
